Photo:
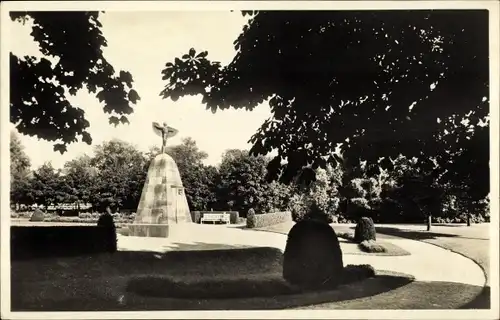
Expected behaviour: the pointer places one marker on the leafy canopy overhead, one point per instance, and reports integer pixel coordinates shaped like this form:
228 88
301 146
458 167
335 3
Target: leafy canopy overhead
376 83
38 89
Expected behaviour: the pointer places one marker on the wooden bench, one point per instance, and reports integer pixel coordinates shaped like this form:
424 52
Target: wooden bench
216 217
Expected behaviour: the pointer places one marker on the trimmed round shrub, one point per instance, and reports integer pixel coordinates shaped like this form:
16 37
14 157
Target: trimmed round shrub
365 230
354 273
110 241
312 257
37 215
251 218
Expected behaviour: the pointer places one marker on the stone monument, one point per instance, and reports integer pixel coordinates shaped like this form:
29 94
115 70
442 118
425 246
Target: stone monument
163 205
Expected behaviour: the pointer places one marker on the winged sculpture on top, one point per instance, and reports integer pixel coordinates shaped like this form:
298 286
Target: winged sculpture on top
164 132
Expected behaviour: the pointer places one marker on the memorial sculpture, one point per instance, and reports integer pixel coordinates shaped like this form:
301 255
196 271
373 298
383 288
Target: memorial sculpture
163 204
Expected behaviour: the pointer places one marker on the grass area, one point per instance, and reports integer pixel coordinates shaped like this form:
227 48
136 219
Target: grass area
124 281
231 285
415 295
103 282
472 242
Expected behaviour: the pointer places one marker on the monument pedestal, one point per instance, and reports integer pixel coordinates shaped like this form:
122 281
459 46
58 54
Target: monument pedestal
163 205
148 230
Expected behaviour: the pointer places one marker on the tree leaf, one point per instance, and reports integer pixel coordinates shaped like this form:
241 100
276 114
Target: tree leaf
192 52
202 54
86 137
133 96
60 147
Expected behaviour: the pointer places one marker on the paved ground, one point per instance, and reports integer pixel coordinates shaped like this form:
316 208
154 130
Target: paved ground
426 262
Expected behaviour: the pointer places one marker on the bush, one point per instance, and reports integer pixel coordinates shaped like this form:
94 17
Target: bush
37 215
354 273
251 218
70 220
371 246
298 207
29 242
358 211
346 235
365 230
315 213
196 216
267 219
107 222
312 257
234 216
241 220
303 208
335 219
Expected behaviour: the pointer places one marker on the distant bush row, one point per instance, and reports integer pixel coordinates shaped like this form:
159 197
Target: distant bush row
82 218
267 219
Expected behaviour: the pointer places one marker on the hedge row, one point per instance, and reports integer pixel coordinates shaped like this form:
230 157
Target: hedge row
268 219
234 215
29 242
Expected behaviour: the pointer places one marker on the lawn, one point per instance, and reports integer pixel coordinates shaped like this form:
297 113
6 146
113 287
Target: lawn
207 279
472 242
114 282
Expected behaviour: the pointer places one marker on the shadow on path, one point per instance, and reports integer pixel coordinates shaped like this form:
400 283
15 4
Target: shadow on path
413 234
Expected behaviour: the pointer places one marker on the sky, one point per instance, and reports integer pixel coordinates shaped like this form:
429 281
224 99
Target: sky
142 43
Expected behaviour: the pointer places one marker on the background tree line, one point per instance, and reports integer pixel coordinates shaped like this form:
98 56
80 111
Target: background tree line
115 174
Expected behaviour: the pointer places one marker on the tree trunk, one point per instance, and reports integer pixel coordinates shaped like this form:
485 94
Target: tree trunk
468 219
429 222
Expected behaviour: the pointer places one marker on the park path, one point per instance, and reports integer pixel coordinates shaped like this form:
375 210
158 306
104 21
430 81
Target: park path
427 262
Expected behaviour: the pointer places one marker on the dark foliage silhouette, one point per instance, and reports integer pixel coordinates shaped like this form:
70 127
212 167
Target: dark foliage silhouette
378 83
38 89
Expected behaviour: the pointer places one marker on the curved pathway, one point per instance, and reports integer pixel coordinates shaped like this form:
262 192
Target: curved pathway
426 263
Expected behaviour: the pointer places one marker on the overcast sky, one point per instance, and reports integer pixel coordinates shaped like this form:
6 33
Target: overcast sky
141 43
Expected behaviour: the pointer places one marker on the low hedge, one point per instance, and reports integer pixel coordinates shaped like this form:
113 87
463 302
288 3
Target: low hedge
28 242
371 246
92 219
268 219
196 215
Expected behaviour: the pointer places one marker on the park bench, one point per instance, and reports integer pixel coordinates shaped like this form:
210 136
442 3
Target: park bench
215 217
